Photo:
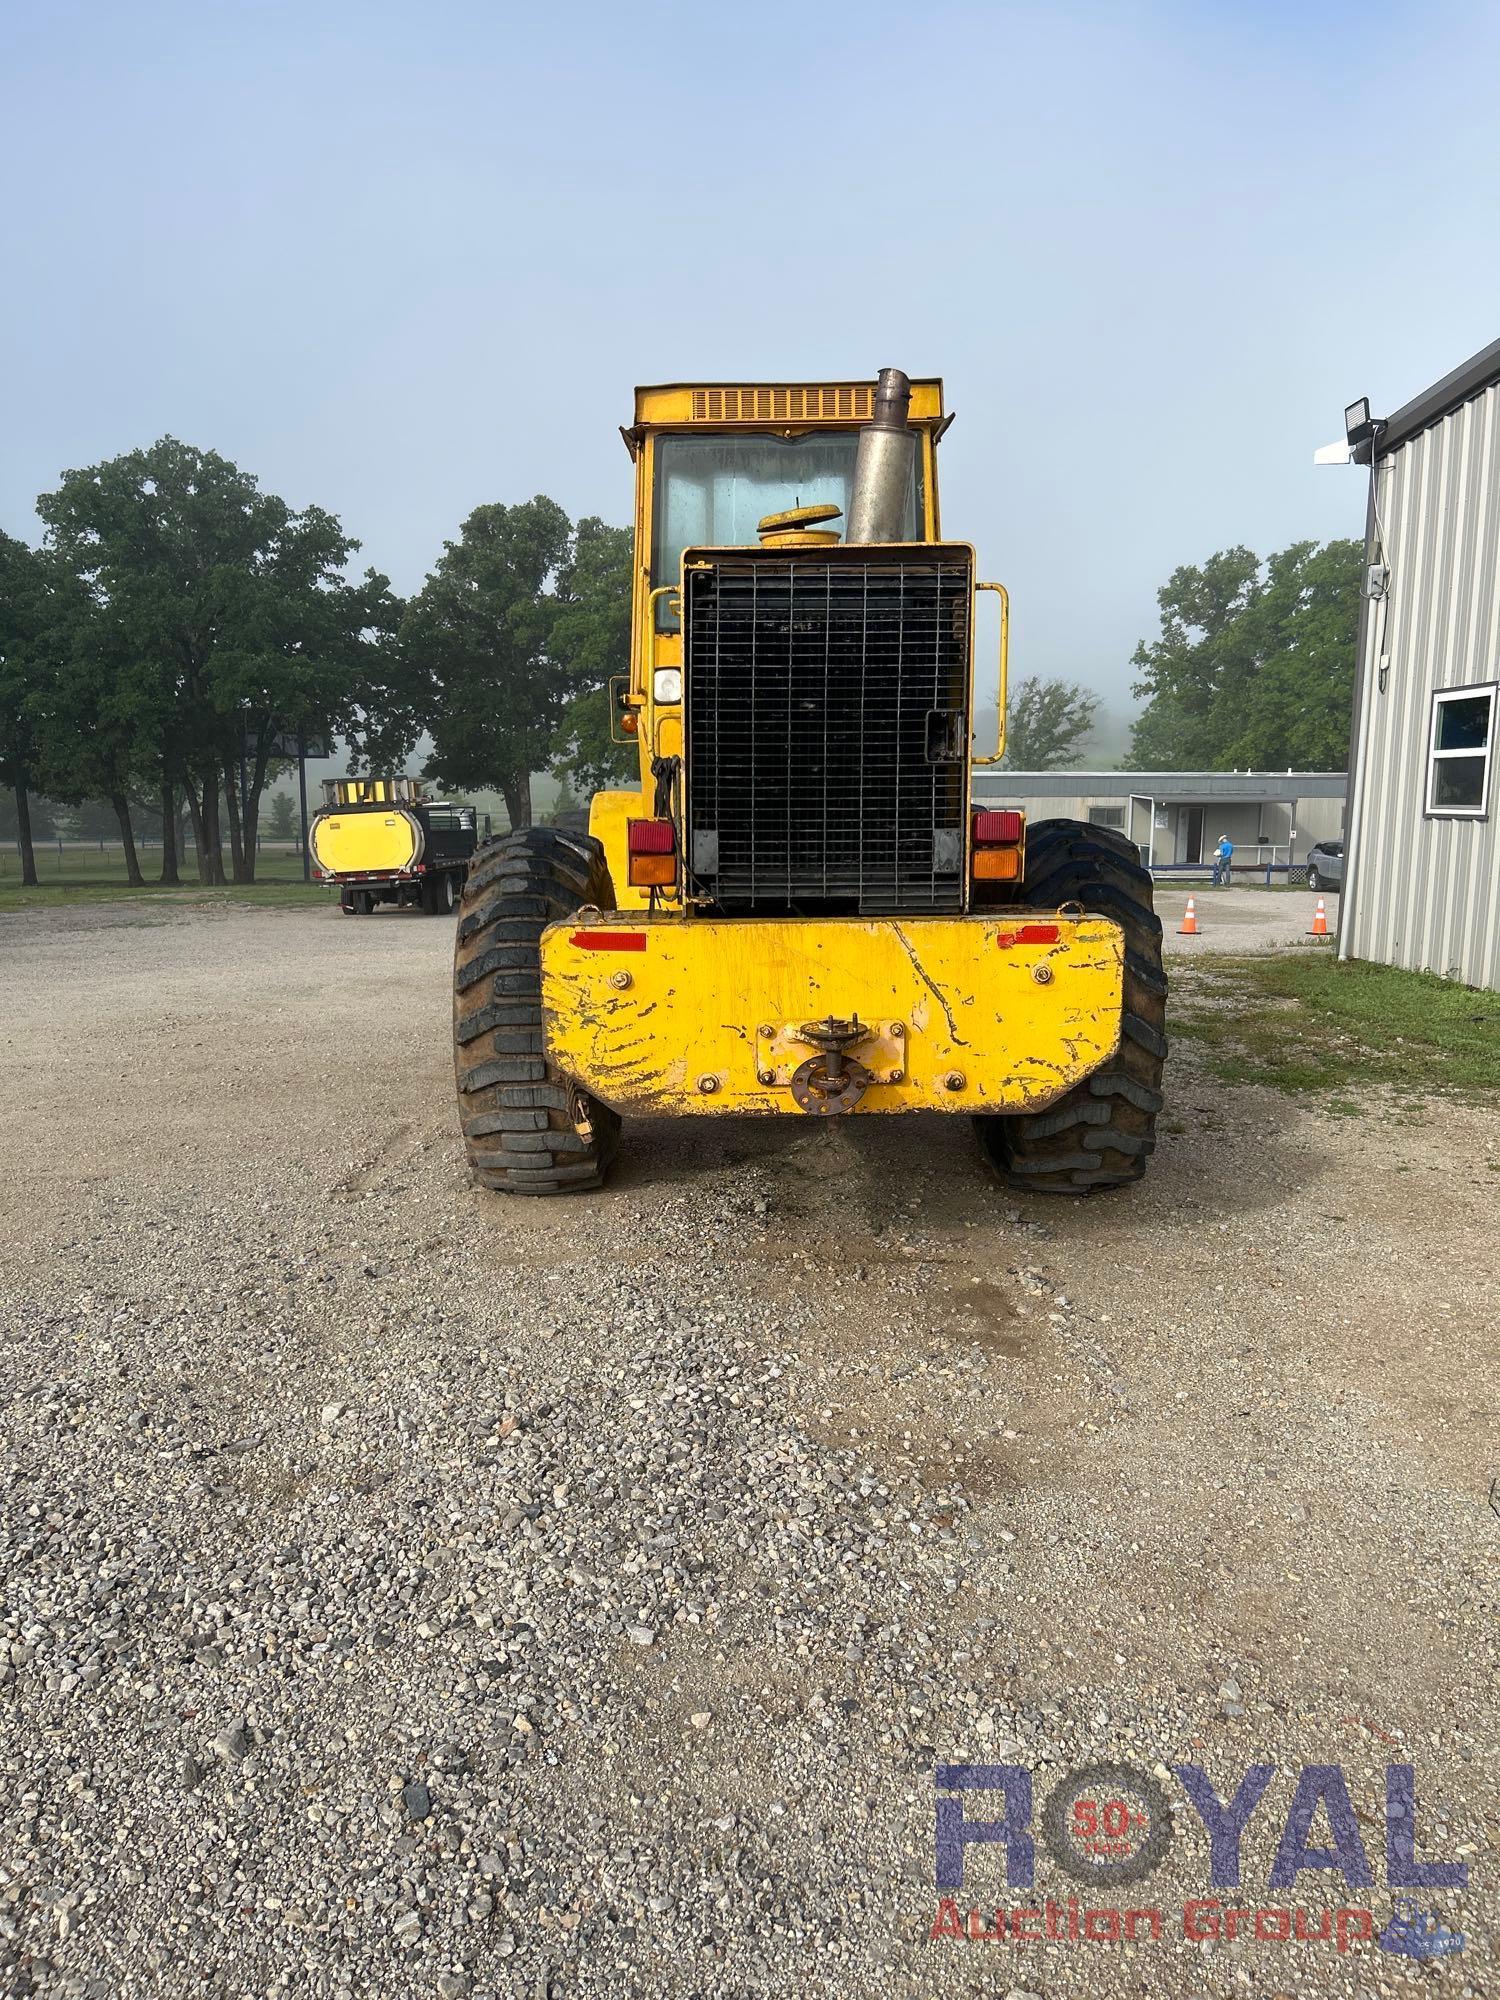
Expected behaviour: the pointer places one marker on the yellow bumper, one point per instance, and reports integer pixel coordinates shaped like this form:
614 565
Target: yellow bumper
1002 1012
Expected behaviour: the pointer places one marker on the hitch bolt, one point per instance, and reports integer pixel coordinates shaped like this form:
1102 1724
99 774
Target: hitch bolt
897 1031
766 1076
620 979
766 1030
1042 974
708 1085
898 1076
954 1080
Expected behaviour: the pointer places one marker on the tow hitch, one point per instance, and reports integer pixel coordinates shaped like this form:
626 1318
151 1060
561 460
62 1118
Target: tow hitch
832 1080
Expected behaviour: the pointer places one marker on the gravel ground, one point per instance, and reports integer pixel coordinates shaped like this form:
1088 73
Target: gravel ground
407 1591
1240 920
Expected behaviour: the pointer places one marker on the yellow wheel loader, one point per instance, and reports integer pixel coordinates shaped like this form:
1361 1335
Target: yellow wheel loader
801 909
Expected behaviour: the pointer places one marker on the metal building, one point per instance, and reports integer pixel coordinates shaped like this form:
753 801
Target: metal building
1176 817
1422 867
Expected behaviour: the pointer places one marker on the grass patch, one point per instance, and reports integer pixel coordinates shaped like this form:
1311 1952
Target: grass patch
85 875
1302 1022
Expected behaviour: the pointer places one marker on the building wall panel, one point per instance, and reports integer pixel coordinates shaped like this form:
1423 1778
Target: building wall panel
1426 892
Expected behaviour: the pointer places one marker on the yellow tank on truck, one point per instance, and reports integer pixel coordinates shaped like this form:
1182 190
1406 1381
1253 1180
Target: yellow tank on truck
366 843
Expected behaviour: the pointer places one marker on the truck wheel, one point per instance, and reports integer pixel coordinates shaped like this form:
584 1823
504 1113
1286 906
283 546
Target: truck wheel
362 902
528 1129
1100 1133
437 894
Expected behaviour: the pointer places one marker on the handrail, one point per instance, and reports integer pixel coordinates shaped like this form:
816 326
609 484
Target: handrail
649 649
1004 595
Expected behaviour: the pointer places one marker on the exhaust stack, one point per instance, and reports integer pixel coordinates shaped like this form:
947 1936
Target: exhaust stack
882 470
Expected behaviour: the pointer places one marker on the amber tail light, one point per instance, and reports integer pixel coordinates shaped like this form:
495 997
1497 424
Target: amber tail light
997 864
652 849
997 838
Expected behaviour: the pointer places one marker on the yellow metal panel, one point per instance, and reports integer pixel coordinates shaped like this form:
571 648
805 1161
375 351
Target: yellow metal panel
365 843
608 812
776 404
675 1023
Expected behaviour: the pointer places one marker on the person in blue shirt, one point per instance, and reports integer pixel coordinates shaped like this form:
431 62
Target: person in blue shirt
1223 855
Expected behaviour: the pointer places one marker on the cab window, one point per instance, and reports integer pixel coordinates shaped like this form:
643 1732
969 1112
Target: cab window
711 492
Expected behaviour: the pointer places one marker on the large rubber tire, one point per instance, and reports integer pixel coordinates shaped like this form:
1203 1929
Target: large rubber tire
1100 1134
528 1129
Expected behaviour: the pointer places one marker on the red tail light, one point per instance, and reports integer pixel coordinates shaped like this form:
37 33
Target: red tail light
999 829
650 836
651 845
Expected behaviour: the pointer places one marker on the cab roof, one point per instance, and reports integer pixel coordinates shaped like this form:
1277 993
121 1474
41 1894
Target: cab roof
762 403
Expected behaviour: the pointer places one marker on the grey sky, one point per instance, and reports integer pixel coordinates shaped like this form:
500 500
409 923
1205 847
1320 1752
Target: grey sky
400 260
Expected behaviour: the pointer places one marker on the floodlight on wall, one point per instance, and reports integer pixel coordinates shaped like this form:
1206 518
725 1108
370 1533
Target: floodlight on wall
1359 428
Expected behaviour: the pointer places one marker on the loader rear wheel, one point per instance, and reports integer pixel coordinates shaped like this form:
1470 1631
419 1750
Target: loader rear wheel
1100 1134
528 1129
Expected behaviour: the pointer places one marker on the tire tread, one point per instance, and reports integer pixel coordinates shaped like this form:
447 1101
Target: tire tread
517 1108
1099 1134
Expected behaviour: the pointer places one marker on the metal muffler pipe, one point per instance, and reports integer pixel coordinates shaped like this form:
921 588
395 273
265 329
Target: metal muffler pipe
883 469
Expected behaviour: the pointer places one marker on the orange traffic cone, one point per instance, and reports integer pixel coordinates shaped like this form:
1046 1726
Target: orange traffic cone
1320 921
1189 925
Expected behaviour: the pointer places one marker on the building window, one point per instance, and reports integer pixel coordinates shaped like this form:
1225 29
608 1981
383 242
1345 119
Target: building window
1459 752
1108 816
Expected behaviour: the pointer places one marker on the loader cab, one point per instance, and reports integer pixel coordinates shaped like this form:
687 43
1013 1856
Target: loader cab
713 490
713 461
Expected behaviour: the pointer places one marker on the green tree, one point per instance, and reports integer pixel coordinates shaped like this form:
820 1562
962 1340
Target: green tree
591 642
215 621
1254 667
39 811
89 723
23 619
477 642
283 820
1045 720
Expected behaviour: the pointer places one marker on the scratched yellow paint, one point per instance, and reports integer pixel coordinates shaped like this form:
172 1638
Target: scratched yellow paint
698 995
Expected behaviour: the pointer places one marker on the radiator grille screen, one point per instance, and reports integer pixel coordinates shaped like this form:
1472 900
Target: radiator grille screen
827 731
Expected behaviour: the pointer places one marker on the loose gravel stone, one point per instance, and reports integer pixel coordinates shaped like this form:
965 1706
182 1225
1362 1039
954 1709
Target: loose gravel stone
410 1592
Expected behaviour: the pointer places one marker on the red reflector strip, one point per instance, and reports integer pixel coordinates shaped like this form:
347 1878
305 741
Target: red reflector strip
1028 934
997 829
609 940
649 836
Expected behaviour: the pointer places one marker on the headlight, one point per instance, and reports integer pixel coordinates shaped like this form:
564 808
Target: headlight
667 684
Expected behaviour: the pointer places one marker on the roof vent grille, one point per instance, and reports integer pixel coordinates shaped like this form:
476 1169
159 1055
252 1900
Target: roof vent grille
796 403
